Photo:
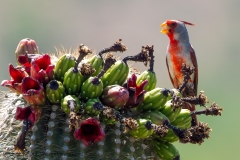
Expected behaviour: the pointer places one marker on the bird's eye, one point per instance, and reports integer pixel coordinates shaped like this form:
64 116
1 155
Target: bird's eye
173 24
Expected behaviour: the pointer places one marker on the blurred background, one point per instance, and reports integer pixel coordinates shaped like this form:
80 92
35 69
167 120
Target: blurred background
99 24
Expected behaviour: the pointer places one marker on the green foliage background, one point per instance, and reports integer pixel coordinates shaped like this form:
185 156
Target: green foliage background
98 24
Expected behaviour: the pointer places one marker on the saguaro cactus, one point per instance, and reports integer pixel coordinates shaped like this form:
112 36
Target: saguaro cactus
41 120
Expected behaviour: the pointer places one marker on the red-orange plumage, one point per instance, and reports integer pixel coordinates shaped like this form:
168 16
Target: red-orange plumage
180 51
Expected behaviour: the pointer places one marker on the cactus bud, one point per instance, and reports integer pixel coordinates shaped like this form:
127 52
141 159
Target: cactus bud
183 120
62 66
55 91
116 74
72 81
115 96
91 88
151 77
165 150
26 46
96 61
142 131
154 99
67 101
93 107
169 111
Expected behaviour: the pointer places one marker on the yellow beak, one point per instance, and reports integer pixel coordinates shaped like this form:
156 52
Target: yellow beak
164 27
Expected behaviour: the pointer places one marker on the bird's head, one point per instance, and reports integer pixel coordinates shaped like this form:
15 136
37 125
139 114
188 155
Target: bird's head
174 28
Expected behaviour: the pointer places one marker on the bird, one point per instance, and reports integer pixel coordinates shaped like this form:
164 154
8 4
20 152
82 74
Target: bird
179 51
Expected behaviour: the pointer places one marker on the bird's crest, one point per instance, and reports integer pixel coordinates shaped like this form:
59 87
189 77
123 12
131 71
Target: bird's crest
187 23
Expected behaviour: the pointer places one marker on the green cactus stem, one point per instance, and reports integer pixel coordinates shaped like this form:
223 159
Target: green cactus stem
52 142
39 130
68 152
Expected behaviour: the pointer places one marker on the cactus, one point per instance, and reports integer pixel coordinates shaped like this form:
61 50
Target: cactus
154 99
169 111
115 96
117 74
55 91
93 107
165 150
26 46
96 61
91 88
149 74
101 118
63 65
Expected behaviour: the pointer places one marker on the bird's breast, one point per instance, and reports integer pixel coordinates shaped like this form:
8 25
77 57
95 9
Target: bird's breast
177 54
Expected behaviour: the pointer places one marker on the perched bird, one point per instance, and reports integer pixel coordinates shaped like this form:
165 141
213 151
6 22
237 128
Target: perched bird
180 51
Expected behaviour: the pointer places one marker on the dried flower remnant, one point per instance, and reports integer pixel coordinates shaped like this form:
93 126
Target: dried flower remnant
196 134
117 46
213 110
71 105
160 130
109 60
87 70
187 88
29 115
201 100
89 132
143 56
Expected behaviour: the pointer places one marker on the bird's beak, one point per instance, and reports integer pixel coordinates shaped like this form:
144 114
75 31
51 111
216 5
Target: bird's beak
164 27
